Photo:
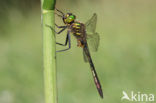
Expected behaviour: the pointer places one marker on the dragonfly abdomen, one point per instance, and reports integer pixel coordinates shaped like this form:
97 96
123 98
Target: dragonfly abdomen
96 79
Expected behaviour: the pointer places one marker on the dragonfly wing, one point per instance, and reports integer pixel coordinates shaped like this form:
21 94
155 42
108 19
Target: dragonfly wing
93 42
85 57
93 38
91 24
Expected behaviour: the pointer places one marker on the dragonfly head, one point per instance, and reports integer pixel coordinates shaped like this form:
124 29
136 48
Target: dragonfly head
69 18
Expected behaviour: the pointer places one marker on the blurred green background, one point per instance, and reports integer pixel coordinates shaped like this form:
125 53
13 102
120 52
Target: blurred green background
126 60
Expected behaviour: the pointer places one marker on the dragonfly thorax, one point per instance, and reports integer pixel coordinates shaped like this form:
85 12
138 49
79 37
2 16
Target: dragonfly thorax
77 28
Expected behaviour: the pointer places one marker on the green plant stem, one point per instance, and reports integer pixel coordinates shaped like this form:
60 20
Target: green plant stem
49 54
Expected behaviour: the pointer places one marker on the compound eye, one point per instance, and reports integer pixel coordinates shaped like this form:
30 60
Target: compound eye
72 17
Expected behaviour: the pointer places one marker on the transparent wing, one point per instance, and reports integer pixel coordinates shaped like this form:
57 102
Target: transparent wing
85 57
93 38
93 41
91 24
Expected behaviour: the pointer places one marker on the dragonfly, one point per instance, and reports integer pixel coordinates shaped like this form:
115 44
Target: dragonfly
85 35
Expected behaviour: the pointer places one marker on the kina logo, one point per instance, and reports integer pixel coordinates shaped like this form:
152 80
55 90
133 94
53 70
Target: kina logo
138 96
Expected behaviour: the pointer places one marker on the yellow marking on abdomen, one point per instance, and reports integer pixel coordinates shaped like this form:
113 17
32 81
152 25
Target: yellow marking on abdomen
78 33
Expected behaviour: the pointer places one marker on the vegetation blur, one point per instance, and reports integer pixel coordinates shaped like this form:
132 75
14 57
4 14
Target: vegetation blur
126 59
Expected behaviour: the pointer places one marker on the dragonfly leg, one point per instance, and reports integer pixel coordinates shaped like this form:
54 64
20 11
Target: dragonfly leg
60 26
63 28
67 41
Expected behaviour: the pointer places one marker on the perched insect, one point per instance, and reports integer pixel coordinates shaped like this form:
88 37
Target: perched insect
84 33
